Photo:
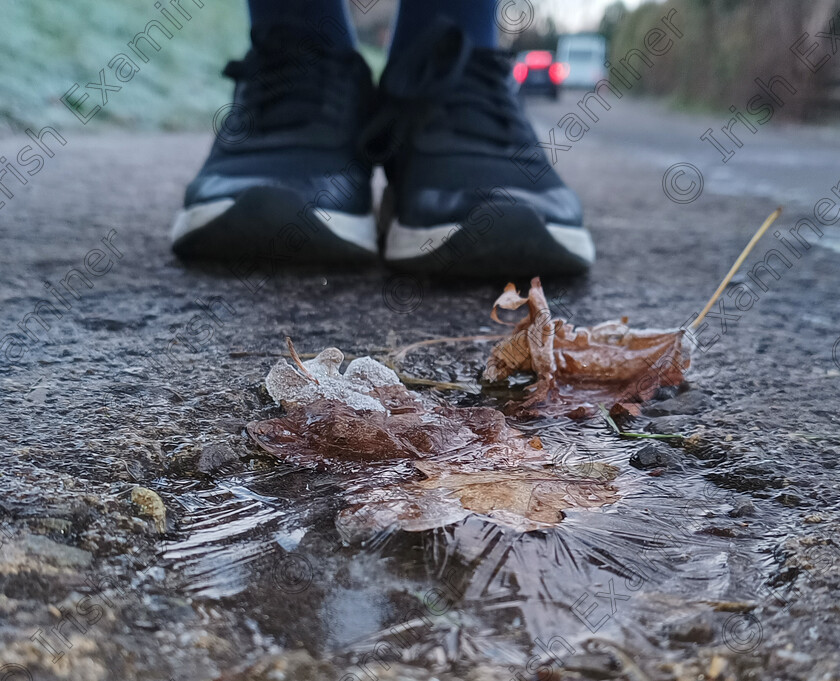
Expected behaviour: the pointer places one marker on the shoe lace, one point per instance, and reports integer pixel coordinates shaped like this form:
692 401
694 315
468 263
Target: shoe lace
443 84
289 80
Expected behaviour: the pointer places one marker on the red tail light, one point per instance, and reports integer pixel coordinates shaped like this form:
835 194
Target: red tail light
538 59
520 72
558 72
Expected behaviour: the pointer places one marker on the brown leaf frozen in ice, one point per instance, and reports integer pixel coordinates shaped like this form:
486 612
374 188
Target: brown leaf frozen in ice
518 496
333 430
329 429
366 414
446 463
521 498
577 368
407 508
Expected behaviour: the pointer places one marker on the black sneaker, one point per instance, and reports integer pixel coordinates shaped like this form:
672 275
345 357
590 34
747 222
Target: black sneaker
284 180
469 193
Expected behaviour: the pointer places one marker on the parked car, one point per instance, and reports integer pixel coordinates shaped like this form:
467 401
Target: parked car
585 53
538 72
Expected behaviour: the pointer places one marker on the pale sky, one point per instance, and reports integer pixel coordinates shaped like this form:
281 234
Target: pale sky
579 15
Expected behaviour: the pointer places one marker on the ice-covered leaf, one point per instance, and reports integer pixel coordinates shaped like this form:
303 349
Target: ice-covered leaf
405 429
447 462
524 499
366 414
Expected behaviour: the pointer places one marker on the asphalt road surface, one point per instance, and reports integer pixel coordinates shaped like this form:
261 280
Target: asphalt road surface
150 374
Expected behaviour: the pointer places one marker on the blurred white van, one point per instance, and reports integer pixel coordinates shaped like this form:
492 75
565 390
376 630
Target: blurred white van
585 54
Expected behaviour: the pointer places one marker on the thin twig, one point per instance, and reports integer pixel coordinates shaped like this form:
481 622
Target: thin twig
740 261
440 385
429 382
640 436
297 361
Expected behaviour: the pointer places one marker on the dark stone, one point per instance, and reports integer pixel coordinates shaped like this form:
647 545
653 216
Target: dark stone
717 531
654 455
689 402
214 456
666 392
695 630
742 508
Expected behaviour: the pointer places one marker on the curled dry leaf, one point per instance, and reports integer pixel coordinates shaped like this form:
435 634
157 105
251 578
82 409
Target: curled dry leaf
462 461
577 368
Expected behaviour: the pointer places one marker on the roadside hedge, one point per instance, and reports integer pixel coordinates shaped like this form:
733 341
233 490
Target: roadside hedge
727 44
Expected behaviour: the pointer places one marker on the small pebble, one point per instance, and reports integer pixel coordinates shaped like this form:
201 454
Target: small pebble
151 505
717 667
741 508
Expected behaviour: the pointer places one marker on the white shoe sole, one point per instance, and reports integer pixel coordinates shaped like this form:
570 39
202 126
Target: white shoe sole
354 230
409 243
